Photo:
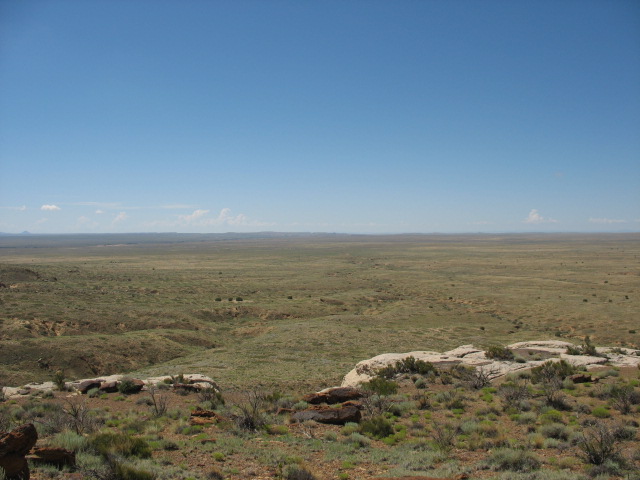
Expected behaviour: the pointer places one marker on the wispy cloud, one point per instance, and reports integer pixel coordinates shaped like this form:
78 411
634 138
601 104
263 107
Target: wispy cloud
606 220
120 217
50 208
177 206
197 214
97 204
534 217
21 208
201 218
99 212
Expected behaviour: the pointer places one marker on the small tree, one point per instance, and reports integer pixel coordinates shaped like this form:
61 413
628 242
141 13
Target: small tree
599 443
159 401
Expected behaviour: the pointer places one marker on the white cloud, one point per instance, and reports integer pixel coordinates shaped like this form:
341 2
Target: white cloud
99 212
606 220
194 216
121 216
535 218
50 208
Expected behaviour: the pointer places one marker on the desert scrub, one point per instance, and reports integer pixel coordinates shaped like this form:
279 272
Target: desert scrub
109 443
380 386
407 365
71 441
377 427
513 459
498 352
127 386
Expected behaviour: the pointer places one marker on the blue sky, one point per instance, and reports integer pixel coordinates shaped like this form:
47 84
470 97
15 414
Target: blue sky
332 116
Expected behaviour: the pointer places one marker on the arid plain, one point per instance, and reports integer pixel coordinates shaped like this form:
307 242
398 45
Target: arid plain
299 311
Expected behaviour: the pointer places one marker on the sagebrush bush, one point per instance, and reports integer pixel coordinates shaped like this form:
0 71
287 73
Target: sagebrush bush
109 443
377 427
380 386
512 459
498 352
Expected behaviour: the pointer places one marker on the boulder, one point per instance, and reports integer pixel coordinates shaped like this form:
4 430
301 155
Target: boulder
582 378
87 385
109 387
333 395
334 416
58 457
187 387
13 448
201 416
14 467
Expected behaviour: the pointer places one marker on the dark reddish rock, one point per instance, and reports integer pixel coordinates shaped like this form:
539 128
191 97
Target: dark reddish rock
87 385
13 448
58 457
109 387
14 467
204 417
187 387
283 411
139 385
334 416
582 378
333 395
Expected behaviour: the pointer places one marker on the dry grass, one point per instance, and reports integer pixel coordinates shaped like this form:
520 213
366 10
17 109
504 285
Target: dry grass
151 307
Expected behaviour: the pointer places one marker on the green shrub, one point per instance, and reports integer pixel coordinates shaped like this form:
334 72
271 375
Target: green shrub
58 380
555 430
296 472
497 352
377 427
515 460
129 472
380 386
406 365
127 386
601 412
109 443
550 369
599 443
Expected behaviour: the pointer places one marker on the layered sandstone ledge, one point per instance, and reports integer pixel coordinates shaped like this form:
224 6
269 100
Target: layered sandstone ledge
528 355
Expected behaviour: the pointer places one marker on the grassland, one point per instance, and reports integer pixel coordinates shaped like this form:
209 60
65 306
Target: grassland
299 311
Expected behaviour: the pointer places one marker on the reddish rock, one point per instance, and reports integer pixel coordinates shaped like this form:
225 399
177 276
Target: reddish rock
53 456
109 387
14 467
334 416
333 395
139 385
187 387
87 385
283 411
13 448
19 440
582 378
204 417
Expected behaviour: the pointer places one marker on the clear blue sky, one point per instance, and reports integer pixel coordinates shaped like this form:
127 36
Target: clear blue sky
335 116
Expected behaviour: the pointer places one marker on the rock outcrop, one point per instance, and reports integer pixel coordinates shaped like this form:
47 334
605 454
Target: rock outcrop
532 354
14 446
334 416
333 395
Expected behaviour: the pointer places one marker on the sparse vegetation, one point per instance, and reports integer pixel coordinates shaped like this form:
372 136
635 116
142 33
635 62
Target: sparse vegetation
416 419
